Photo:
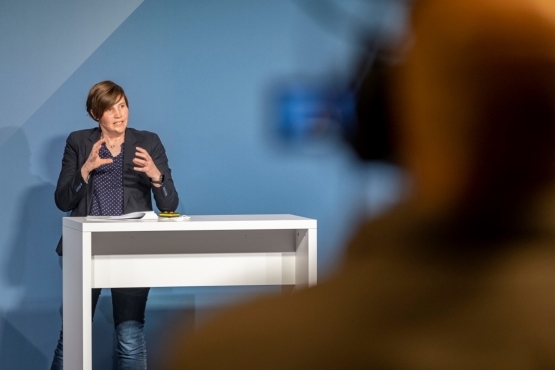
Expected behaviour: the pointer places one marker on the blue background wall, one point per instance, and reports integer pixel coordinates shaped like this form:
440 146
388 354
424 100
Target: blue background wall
198 73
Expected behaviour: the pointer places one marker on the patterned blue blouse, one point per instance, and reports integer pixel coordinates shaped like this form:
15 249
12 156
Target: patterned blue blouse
108 185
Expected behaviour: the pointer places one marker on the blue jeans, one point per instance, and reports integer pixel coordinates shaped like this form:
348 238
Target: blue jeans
128 306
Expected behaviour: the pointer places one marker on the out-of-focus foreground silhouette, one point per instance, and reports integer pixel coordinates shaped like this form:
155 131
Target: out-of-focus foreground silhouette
461 275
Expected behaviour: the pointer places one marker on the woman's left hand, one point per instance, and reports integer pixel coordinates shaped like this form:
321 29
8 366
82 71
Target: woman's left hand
144 163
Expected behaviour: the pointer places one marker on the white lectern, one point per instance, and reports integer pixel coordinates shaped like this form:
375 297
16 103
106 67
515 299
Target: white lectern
203 251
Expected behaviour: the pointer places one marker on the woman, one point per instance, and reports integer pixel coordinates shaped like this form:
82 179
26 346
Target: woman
111 170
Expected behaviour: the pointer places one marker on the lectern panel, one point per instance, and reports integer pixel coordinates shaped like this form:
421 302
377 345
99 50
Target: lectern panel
195 241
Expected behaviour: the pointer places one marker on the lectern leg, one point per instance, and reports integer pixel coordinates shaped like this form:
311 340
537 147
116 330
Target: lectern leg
312 257
77 299
306 258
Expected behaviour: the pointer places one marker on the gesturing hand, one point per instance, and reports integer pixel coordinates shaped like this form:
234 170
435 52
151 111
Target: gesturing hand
94 161
144 163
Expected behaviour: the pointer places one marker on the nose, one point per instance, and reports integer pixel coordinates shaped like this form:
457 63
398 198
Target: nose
117 112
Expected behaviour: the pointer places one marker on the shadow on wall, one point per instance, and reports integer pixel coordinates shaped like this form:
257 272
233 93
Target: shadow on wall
30 273
17 352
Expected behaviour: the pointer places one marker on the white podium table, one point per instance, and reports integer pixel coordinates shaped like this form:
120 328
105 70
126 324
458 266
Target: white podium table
228 250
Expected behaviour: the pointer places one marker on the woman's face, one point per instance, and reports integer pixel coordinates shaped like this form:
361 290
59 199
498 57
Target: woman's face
114 120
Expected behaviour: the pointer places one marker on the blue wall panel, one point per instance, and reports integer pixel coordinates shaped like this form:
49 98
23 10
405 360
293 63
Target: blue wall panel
199 74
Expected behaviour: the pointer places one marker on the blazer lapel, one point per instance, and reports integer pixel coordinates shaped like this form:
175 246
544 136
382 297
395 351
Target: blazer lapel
93 138
129 174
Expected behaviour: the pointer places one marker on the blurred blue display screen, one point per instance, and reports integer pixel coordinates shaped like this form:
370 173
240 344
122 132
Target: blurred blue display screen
308 113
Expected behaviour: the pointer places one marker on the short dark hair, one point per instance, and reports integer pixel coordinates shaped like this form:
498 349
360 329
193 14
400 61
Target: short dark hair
102 96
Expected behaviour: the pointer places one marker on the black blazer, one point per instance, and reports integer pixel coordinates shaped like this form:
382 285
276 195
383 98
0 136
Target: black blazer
75 195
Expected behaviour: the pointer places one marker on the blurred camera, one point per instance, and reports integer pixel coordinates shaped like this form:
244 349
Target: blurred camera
357 111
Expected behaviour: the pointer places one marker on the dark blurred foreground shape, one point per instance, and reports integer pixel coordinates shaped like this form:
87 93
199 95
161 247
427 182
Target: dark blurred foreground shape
462 275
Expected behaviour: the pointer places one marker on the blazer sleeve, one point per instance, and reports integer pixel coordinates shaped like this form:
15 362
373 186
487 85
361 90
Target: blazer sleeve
165 196
71 187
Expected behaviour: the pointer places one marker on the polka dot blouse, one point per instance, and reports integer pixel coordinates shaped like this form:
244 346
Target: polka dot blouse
108 185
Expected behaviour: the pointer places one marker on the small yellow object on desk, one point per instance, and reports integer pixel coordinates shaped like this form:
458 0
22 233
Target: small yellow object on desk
169 214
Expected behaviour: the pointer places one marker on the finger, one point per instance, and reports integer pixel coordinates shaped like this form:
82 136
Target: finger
102 162
99 143
142 152
139 162
96 147
99 162
140 157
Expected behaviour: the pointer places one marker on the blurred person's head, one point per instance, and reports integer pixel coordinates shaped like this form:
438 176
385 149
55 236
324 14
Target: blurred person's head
473 104
476 103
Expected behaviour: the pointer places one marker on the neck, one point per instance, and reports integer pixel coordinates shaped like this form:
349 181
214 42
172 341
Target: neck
112 140
112 137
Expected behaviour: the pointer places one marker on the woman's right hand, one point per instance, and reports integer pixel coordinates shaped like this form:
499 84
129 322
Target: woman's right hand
94 161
